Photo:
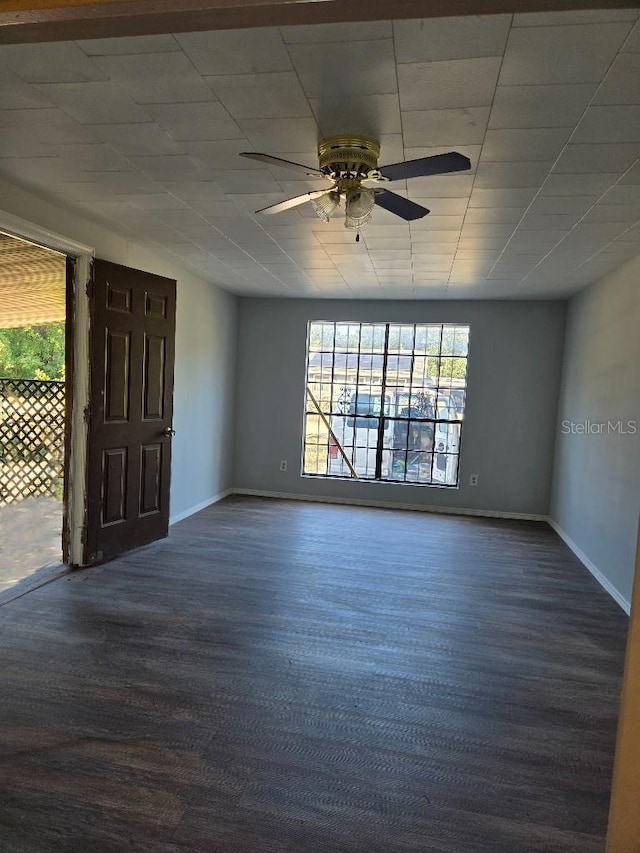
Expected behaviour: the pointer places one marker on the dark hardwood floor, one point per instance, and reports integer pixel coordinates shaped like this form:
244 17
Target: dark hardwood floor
285 677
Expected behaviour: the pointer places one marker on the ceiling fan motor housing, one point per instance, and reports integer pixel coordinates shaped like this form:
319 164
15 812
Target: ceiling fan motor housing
349 158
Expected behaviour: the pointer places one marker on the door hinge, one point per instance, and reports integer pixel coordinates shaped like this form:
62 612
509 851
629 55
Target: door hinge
84 534
87 414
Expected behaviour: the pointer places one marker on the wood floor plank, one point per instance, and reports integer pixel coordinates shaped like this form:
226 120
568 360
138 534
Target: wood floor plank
283 676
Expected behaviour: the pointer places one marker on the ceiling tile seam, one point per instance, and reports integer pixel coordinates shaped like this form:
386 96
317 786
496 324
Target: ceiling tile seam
475 175
133 53
318 43
600 251
291 260
395 63
517 26
557 160
613 239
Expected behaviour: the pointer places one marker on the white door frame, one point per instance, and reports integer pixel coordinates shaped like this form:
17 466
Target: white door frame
76 493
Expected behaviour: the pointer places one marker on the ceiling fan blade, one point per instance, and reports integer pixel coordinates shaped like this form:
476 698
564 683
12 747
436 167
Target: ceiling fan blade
285 164
288 203
401 206
439 164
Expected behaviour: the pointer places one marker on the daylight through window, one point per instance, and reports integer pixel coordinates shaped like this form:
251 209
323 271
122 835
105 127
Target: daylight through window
385 401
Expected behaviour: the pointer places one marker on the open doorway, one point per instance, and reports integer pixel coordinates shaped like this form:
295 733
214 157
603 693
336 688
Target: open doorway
33 300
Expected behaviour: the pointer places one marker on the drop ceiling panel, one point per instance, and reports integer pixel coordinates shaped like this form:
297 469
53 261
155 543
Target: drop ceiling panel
186 122
156 78
236 52
446 84
330 67
561 54
451 38
272 96
144 134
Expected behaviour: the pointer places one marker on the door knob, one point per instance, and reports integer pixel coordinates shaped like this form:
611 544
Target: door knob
168 431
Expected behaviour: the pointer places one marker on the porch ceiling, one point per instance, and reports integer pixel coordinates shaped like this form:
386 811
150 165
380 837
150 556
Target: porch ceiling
32 284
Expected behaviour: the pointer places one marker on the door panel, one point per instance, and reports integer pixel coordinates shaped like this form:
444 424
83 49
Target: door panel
129 452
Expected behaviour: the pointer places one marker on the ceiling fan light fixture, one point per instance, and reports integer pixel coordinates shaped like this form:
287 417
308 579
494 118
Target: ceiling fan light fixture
359 207
326 205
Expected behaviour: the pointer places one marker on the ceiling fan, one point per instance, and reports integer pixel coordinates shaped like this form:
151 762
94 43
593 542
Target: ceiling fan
351 164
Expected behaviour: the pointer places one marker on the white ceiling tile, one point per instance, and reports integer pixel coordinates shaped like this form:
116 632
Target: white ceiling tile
329 69
156 78
94 103
574 16
342 32
545 221
578 204
178 167
428 128
286 134
15 94
530 144
632 44
420 235
187 122
144 139
561 54
622 83
629 213
577 184
451 38
600 157
632 176
50 63
154 201
246 181
539 106
126 183
49 126
609 124
443 85
96 157
371 115
188 190
501 197
511 175
494 215
486 229
179 218
128 44
224 154
622 194
274 95
250 51
16 142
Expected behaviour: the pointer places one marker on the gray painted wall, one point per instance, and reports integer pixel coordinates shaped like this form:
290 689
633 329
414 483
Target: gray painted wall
514 374
596 484
205 350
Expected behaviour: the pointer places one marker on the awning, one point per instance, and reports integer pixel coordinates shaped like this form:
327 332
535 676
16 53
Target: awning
32 284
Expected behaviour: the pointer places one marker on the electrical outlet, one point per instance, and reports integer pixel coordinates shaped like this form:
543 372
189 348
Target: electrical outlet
283 464
473 480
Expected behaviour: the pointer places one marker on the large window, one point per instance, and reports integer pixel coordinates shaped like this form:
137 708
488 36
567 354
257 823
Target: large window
385 401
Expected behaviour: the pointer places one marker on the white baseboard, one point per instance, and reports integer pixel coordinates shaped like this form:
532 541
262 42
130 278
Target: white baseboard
595 571
522 516
180 516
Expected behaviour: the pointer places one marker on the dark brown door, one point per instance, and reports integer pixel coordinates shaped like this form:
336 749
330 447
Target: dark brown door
129 452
